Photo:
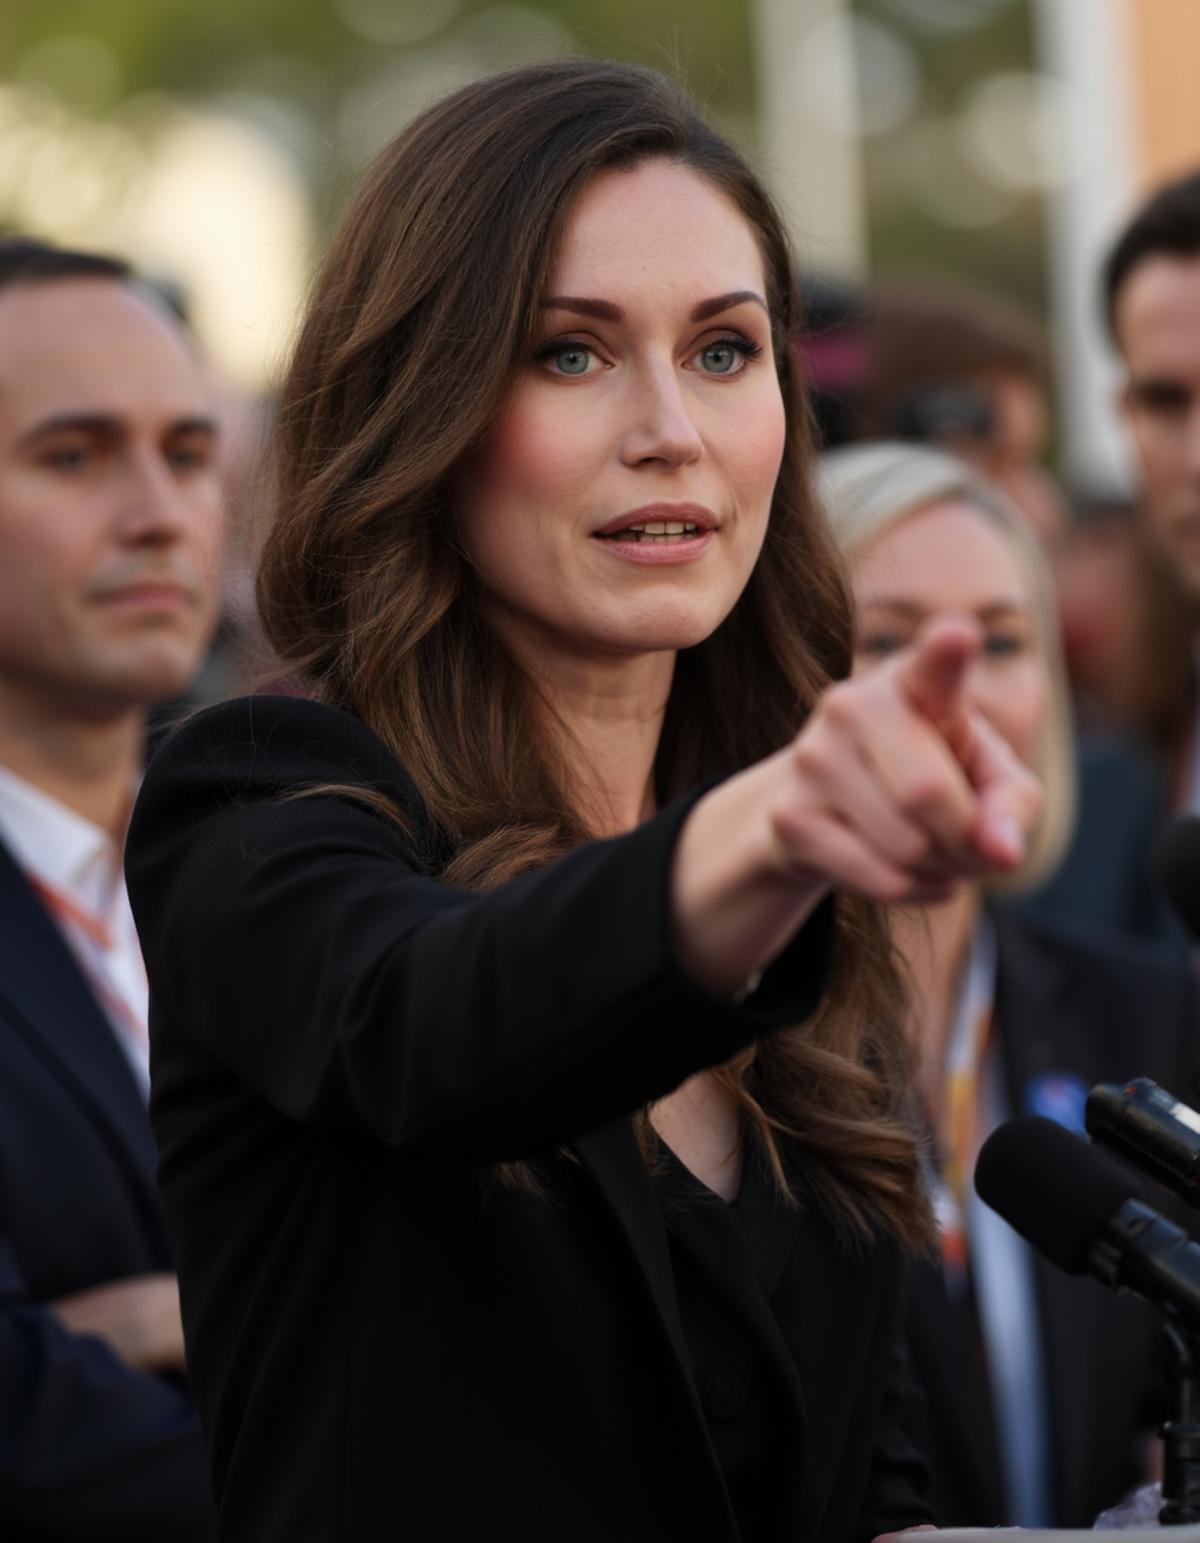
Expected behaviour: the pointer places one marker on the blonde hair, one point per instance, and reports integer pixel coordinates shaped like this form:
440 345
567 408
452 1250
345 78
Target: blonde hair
865 489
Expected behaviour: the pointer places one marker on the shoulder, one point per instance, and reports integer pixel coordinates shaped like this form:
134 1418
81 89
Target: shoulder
254 744
245 760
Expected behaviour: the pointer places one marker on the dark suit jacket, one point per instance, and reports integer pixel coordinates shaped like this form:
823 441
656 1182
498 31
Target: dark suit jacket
384 1340
89 1449
1108 876
1103 1008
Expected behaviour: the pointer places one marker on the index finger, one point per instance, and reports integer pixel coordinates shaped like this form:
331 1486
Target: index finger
932 675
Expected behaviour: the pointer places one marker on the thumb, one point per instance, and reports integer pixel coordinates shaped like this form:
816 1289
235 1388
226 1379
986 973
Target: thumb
931 676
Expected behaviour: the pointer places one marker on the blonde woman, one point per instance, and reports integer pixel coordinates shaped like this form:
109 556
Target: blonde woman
1038 1390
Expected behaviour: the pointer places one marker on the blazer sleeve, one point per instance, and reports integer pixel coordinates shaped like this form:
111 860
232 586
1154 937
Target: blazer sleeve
297 942
91 1450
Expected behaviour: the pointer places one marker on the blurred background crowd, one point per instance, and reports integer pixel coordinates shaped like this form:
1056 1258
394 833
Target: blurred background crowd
956 175
952 169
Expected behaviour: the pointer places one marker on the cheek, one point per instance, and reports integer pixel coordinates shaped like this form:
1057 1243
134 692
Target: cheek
536 452
755 448
46 561
1018 707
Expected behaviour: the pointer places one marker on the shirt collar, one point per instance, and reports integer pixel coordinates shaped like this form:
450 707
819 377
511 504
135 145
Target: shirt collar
55 844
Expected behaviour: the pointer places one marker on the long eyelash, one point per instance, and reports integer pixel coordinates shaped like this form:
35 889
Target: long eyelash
743 344
550 350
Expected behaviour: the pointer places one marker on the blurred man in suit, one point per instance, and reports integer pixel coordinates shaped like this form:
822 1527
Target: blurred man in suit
110 530
1130 786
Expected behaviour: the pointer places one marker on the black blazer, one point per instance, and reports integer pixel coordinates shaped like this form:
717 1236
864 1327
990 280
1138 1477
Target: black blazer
89 1448
384 1340
1101 1008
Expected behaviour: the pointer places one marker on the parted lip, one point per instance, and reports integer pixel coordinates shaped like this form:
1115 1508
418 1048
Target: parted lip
694 514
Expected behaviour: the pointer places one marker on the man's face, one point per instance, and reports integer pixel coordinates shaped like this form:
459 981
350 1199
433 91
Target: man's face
110 508
1157 323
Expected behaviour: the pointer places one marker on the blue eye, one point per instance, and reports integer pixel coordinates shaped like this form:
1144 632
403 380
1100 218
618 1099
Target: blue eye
727 356
567 358
720 358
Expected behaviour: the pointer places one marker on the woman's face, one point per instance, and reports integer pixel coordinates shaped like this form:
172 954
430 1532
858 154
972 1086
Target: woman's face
949 559
621 501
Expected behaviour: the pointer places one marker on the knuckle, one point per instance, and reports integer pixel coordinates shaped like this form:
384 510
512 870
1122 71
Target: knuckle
923 795
842 705
810 757
791 827
915 847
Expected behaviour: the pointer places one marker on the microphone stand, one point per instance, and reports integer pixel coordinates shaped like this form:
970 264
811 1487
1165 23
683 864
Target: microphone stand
1181 1432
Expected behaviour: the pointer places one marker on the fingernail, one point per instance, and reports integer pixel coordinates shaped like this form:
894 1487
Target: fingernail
1010 834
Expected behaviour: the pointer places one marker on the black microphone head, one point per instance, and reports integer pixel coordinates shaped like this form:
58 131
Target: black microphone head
1053 1188
1179 868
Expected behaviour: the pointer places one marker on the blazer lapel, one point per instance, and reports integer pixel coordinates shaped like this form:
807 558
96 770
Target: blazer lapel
612 1158
52 1005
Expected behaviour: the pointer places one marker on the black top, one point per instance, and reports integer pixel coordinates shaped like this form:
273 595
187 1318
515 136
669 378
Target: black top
728 1261
384 1340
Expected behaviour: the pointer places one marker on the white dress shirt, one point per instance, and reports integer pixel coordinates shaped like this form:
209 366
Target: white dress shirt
75 867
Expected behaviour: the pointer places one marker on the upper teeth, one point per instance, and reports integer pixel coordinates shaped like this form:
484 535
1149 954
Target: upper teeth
664 527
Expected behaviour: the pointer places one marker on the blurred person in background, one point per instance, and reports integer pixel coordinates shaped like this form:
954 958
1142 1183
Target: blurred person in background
967 371
833 354
110 534
1129 787
1098 574
1152 299
1040 1390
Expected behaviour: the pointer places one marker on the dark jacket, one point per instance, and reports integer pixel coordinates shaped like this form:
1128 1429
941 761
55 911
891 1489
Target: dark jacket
385 1340
1098 1008
89 1448
1109 876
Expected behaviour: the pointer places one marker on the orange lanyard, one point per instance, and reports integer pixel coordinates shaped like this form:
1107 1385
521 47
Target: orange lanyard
959 1136
96 930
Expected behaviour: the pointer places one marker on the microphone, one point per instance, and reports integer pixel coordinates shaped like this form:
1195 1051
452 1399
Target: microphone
1152 1129
1085 1213
1179 869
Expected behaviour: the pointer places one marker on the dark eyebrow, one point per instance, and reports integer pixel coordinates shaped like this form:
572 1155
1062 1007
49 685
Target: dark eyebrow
105 424
604 310
601 309
714 307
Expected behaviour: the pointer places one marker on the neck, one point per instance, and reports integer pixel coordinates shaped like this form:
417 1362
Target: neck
88 764
606 715
935 942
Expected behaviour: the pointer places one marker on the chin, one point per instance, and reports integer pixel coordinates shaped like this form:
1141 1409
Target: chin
665 634
156 675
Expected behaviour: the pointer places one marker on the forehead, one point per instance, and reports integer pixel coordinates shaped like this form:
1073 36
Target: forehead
91 346
946 554
658 226
1157 315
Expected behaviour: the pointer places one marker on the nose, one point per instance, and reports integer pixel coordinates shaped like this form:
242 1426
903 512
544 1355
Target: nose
153 510
660 428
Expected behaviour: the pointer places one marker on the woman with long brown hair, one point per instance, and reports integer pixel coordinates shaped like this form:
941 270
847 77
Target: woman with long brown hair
533 1117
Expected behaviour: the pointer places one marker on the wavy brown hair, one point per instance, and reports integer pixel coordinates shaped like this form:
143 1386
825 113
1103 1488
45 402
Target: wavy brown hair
422 318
